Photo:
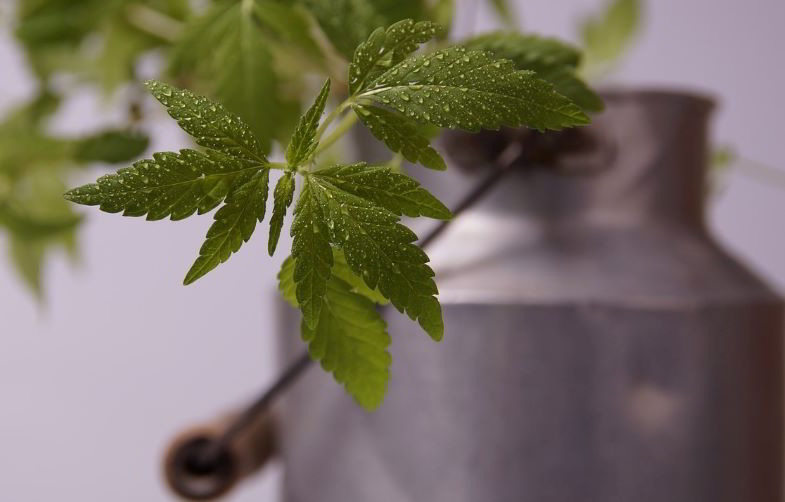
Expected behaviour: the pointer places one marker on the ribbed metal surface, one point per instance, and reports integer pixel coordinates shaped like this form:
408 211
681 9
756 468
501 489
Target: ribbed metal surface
599 347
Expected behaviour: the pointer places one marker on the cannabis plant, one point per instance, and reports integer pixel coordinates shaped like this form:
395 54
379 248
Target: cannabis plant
238 77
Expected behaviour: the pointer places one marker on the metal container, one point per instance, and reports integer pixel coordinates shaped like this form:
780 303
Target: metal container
600 346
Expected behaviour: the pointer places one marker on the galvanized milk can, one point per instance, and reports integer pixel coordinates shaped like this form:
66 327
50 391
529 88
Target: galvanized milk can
600 346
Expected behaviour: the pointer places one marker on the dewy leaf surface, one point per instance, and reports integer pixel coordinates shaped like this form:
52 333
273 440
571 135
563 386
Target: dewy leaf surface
209 123
304 141
471 90
350 338
228 52
552 60
311 251
284 193
529 52
342 271
388 46
401 135
234 224
393 191
381 250
351 342
170 185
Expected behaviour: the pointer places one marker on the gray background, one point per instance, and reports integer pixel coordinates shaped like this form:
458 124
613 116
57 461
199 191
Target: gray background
121 356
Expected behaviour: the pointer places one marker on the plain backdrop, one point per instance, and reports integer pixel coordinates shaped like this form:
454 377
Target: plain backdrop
121 356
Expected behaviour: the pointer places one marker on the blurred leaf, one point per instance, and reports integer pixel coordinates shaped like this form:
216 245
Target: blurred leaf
723 156
113 146
347 23
33 164
93 38
607 35
28 258
229 54
506 13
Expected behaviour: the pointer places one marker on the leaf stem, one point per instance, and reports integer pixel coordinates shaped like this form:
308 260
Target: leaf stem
283 166
154 22
342 128
331 117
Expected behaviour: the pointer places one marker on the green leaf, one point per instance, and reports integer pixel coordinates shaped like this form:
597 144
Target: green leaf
552 60
171 184
209 123
393 191
347 23
350 337
304 141
351 342
471 90
385 48
342 271
528 52
722 157
227 53
607 35
288 26
284 194
247 82
401 135
28 257
28 225
567 84
505 12
311 251
379 249
286 284
234 224
111 147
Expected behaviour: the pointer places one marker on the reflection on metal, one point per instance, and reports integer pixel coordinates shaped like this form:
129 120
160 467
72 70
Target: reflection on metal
600 346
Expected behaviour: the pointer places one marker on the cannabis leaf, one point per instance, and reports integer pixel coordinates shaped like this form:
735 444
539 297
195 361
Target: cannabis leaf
377 247
529 52
401 135
342 271
350 339
347 23
283 194
312 253
385 48
304 141
504 11
170 184
233 170
111 146
470 90
552 60
234 224
608 34
209 123
230 55
393 191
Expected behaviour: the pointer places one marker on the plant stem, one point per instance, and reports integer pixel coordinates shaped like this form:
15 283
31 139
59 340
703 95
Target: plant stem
331 117
154 22
342 128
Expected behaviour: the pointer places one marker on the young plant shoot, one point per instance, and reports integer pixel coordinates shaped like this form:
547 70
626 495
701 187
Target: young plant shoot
350 251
